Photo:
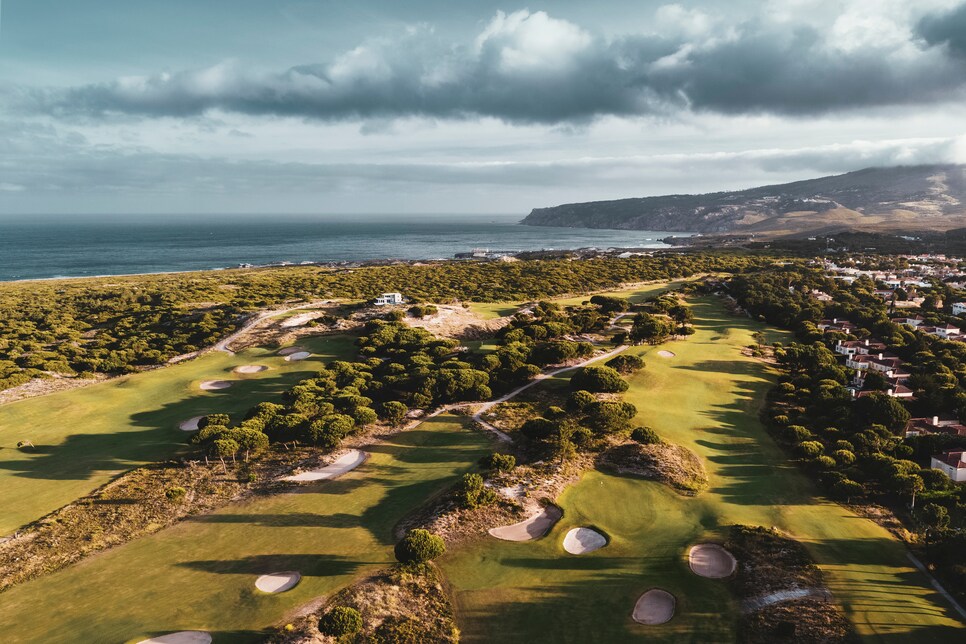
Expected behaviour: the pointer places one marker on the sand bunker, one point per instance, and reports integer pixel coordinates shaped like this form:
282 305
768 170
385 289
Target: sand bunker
533 528
191 424
298 355
278 582
250 368
711 560
345 463
580 541
665 354
215 385
181 637
654 607
287 351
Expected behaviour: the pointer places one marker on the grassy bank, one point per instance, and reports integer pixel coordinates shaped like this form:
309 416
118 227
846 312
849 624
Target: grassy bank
200 574
83 437
705 398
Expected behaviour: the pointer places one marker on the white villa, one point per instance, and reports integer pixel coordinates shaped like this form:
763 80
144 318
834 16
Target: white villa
952 464
388 299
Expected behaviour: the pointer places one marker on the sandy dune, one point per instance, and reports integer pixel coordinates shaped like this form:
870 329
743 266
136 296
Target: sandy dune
250 368
215 385
345 463
580 541
298 355
278 582
666 354
654 607
532 528
711 560
190 424
181 637
287 351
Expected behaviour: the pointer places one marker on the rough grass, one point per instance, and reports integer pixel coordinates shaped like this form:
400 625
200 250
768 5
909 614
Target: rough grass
673 465
200 573
706 399
413 597
85 437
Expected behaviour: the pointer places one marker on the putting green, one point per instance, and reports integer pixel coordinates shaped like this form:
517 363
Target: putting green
706 398
84 437
200 574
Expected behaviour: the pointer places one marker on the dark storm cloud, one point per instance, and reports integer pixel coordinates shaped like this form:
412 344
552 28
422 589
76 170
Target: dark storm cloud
527 67
947 28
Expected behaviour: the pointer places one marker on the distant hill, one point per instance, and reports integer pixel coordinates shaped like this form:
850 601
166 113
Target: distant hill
900 199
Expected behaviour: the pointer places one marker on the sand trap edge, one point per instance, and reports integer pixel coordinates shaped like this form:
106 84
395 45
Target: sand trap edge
180 637
720 552
287 351
190 424
660 595
350 461
546 519
215 385
278 582
666 354
249 368
573 545
298 356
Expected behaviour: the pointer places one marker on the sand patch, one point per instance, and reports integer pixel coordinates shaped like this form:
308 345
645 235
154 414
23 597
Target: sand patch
345 463
287 351
532 528
298 355
666 354
300 319
181 637
250 368
654 607
712 561
190 424
580 541
215 385
278 582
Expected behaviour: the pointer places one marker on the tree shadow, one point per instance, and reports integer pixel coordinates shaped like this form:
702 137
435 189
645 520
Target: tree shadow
291 520
308 565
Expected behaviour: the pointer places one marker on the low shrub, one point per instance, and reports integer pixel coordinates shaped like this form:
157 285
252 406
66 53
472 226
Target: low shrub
645 436
341 621
499 462
419 546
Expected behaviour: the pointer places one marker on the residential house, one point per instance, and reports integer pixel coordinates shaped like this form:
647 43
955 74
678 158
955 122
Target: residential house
952 464
388 299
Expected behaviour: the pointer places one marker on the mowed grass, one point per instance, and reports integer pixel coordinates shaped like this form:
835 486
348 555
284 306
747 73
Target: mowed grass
707 398
492 310
84 437
200 574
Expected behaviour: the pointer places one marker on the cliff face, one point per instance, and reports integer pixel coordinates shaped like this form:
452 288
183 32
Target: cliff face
905 198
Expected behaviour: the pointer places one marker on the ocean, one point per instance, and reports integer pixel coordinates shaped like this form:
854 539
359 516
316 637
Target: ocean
84 245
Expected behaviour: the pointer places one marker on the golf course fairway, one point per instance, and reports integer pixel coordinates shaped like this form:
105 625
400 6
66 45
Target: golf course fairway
706 398
200 574
83 437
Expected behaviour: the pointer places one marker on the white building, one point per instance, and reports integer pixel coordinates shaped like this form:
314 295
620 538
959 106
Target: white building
959 308
388 299
952 464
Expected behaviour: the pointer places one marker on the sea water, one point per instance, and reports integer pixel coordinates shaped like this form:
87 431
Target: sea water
85 245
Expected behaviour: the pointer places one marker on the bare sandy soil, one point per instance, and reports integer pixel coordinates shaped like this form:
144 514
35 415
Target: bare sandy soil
298 355
250 368
654 607
457 322
580 541
181 637
345 463
215 385
666 354
712 561
532 528
278 582
300 319
190 424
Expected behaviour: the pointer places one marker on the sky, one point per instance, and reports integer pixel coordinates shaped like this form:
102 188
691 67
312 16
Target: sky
460 107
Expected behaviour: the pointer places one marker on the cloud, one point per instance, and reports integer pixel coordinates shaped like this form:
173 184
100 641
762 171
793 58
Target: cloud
945 28
525 67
